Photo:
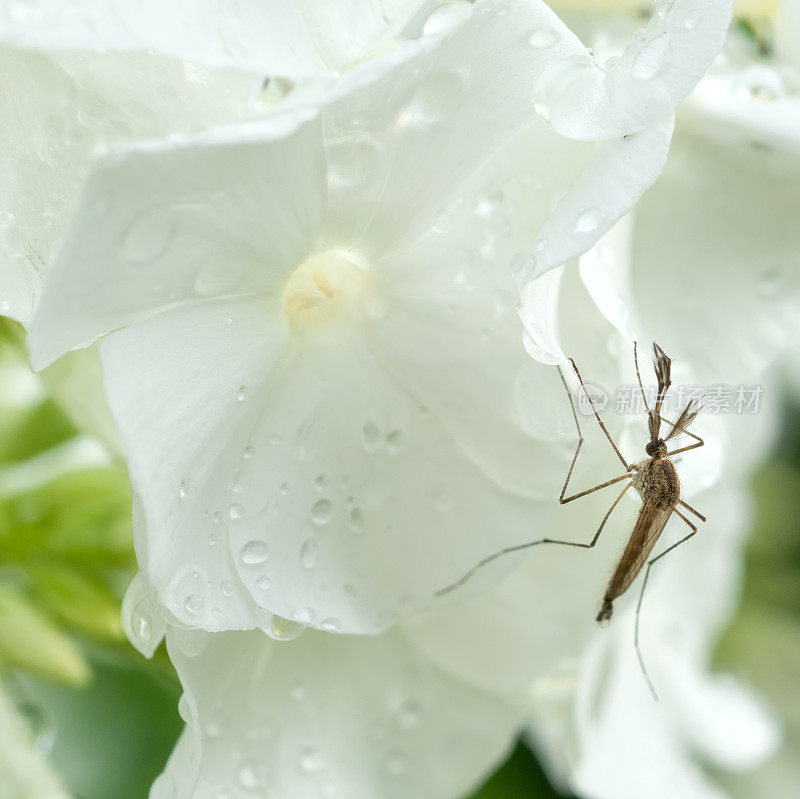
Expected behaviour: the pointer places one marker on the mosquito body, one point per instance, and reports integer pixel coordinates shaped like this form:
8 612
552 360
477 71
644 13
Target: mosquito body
657 483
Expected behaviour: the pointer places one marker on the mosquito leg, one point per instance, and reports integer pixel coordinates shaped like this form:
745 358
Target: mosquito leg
562 499
692 510
518 547
650 564
596 414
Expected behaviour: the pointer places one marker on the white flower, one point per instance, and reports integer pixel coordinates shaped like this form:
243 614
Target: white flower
307 302
526 652
294 38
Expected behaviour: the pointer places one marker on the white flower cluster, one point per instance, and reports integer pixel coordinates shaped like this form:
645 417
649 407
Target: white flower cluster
286 228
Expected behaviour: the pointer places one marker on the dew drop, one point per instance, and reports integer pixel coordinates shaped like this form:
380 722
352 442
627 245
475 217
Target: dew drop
305 615
264 583
194 603
522 266
140 624
309 553
217 517
435 100
370 436
589 220
394 441
663 7
275 440
227 587
254 552
396 762
409 715
311 761
248 778
187 487
284 629
541 245
357 520
544 37
652 58
147 237
184 711
321 483
248 452
321 511
446 17
212 540
331 625
692 19
284 488
236 511
241 393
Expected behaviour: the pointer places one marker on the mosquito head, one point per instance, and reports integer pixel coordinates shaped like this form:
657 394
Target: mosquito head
656 449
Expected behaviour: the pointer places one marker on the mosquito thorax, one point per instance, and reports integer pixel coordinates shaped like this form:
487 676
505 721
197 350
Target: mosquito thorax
656 449
657 481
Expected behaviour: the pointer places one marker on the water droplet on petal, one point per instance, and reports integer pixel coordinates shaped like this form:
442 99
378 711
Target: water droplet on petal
321 511
589 220
284 629
394 442
248 452
522 266
692 19
311 761
309 553
241 393
187 487
663 7
436 99
544 37
147 237
447 17
254 552
184 711
236 511
248 777
227 587
357 520
331 625
652 58
305 615
321 483
396 762
371 436
194 603
264 583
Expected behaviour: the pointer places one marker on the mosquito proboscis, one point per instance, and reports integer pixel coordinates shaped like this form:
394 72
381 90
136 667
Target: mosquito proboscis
654 478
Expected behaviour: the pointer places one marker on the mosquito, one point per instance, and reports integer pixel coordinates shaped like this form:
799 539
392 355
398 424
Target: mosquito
656 481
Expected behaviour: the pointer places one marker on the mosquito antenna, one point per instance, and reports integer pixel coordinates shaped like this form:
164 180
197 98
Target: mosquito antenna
639 376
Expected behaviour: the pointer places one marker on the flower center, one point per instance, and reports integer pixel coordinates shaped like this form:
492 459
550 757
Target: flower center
322 285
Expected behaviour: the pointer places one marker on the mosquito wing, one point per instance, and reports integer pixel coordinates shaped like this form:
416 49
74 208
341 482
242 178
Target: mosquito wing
651 522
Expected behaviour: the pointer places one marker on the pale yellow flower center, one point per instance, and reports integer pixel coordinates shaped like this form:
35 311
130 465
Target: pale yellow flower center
323 285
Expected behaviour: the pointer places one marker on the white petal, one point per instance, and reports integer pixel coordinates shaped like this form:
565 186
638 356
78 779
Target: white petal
168 222
620 172
401 140
360 493
713 247
286 37
329 716
654 74
64 111
204 358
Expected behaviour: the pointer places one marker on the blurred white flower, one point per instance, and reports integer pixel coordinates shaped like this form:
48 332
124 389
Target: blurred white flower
24 771
308 301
